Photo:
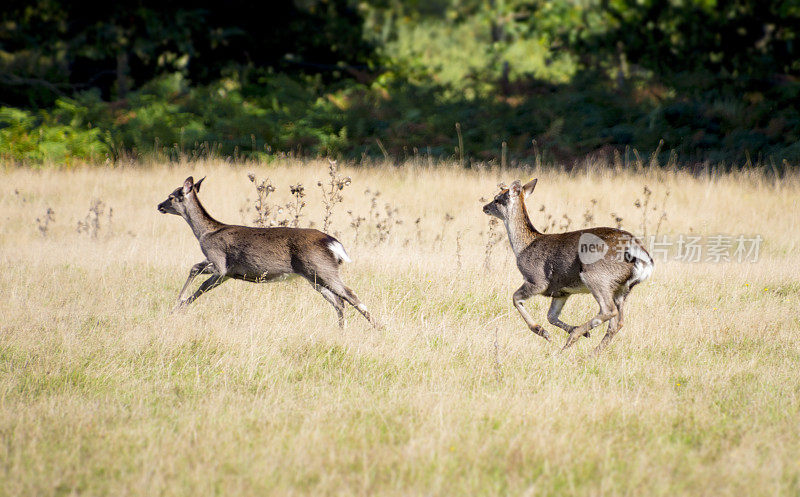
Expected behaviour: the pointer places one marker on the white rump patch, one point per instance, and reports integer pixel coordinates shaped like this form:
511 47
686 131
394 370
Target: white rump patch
637 252
338 250
642 268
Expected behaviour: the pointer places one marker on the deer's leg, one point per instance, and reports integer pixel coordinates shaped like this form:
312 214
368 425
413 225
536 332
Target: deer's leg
608 310
335 301
209 284
329 293
205 267
614 324
555 311
353 300
526 291
338 287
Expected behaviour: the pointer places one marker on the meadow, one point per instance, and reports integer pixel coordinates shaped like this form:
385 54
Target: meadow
254 390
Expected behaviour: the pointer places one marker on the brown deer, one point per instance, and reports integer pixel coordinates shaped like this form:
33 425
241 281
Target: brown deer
260 254
605 262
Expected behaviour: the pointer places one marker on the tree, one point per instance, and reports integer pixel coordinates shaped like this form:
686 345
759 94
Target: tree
55 47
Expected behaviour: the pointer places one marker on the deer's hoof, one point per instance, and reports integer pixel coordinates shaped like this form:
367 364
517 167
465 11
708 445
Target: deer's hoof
541 332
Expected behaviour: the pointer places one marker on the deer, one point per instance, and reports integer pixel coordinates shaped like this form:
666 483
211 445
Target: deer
260 255
605 262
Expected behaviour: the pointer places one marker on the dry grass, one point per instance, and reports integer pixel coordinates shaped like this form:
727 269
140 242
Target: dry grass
255 391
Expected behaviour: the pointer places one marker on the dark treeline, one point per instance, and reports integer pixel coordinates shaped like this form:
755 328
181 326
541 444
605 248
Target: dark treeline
55 48
704 80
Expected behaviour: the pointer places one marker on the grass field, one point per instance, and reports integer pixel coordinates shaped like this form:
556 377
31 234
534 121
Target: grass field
255 390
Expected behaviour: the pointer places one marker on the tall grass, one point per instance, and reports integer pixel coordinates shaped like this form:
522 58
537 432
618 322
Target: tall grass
255 391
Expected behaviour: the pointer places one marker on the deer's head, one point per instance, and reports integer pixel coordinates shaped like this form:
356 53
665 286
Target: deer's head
176 201
510 200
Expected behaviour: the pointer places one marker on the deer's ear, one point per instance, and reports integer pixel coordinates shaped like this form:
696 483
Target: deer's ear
197 185
187 185
529 186
515 188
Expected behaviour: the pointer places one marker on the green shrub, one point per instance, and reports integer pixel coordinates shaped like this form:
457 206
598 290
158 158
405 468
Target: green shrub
38 139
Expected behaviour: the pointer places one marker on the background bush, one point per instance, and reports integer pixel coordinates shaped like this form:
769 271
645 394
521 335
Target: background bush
703 80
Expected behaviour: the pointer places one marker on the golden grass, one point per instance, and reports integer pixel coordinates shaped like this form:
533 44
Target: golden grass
255 391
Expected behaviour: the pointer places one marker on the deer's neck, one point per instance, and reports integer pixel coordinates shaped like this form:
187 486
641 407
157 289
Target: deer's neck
199 220
521 232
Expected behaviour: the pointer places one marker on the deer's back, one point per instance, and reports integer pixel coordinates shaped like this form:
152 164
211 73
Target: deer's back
255 253
556 258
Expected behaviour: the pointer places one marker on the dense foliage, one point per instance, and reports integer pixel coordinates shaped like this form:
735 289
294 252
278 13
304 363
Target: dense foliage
715 80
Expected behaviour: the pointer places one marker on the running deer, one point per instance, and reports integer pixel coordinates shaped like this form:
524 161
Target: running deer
605 262
260 254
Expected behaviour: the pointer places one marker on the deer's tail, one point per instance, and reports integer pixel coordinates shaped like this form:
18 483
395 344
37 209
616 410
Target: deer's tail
336 247
642 263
